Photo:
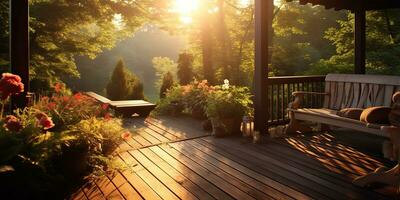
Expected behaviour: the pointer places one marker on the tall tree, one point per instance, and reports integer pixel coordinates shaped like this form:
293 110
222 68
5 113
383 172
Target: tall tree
167 83
382 46
124 85
185 68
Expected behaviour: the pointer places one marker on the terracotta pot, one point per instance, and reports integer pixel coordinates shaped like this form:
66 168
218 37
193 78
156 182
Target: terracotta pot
225 127
198 113
73 162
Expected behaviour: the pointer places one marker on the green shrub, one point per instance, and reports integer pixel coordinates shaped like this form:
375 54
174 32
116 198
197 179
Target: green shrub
167 83
124 85
185 68
173 103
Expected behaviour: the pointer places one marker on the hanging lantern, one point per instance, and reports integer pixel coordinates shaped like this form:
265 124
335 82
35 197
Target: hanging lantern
247 127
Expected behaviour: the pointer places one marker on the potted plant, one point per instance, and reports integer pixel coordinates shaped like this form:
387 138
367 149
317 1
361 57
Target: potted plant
226 106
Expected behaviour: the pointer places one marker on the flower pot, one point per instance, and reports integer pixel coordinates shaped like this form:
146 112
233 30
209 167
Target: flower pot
198 113
225 127
73 163
108 147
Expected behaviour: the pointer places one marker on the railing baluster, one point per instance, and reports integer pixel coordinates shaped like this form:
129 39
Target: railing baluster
280 95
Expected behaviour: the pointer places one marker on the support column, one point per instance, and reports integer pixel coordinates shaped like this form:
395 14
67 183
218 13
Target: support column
263 31
19 45
359 41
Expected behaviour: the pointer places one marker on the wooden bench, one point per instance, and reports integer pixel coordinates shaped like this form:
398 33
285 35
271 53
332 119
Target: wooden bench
344 91
126 108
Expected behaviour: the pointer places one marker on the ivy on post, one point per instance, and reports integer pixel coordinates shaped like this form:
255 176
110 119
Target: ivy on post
19 46
263 29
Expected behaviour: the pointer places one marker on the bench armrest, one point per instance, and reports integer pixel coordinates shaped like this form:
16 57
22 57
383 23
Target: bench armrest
298 100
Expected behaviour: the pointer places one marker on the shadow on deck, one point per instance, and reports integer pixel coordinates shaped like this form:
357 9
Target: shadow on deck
174 159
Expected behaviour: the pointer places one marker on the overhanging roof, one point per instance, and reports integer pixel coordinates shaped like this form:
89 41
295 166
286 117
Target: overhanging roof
354 4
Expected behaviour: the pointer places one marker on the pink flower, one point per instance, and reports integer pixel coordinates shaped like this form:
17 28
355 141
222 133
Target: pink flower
126 135
46 122
10 84
12 123
51 105
186 89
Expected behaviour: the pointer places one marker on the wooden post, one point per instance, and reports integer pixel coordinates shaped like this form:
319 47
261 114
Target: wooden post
19 45
263 29
359 41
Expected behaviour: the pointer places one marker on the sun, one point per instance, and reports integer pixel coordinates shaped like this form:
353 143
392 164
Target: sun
185 8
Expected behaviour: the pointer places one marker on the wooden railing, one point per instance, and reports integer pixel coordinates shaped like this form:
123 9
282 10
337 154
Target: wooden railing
280 95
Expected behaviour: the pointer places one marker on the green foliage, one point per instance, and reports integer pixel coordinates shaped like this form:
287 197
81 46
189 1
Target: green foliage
67 110
185 68
173 102
229 102
382 46
99 136
167 83
164 65
124 85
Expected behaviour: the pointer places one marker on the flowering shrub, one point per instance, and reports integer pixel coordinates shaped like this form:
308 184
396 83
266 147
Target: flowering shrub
67 110
190 98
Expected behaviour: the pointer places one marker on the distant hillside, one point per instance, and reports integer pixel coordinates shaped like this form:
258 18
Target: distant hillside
137 52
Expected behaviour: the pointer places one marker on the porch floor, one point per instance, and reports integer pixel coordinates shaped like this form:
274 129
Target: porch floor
194 165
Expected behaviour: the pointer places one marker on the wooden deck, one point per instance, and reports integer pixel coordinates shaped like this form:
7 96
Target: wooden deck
173 160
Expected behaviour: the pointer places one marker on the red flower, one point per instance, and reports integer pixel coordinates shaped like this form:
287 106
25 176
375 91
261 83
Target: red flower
78 96
105 106
107 116
126 135
10 84
46 122
12 123
58 87
51 105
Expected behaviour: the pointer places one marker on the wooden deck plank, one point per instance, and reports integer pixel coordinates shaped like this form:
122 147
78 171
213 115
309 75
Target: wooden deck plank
164 178
294 158
149 131
176 175
124 187
92 191
340 186
105 185
149 137
78 195
271 170
218 181
165 134
285 191
182 133
152 181
320 149
134 180
239 174
242 182
202 182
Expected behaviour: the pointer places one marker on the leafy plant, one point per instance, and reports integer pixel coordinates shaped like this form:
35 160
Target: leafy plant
228 102
70 109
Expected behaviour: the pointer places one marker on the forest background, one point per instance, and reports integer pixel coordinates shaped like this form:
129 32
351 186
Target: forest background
80 41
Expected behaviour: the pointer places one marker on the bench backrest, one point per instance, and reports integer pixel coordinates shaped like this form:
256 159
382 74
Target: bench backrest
359 91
